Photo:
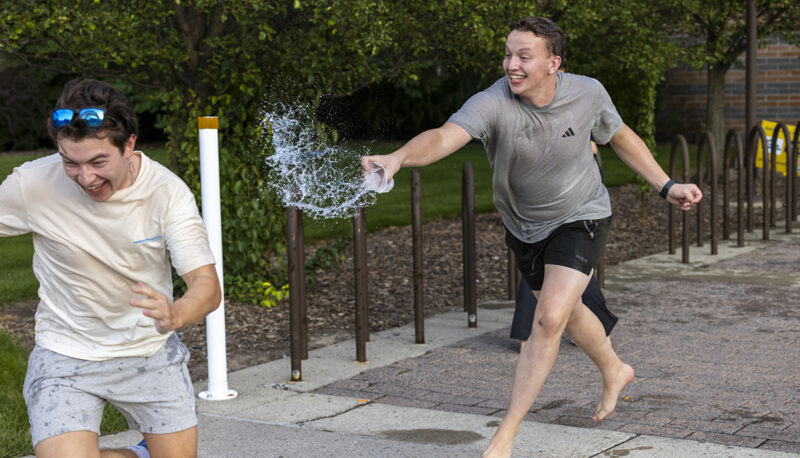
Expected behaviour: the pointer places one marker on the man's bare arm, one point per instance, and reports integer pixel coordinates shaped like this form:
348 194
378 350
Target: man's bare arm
635 153
426 148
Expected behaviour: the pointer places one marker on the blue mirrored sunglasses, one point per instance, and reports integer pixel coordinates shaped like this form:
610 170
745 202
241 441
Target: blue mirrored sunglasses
92 116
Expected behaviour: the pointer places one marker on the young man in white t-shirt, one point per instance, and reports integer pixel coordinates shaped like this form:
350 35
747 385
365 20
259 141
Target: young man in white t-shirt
107 224
536 125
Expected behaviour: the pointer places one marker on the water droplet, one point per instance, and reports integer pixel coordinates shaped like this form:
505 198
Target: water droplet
306 172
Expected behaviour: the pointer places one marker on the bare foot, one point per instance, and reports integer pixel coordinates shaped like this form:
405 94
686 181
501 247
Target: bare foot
611 389
501 445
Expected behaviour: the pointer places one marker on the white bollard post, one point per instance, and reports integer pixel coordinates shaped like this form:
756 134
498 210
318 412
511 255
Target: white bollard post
212 217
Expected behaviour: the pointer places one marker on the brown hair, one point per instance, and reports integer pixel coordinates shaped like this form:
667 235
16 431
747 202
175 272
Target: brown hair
118 124
548 30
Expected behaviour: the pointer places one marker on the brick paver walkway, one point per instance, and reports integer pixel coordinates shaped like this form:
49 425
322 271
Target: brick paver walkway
715 361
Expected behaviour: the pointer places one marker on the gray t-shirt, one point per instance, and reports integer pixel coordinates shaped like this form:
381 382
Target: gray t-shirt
544 172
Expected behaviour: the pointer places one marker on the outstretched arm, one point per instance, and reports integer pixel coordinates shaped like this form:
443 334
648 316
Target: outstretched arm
202 297
635 153
424 149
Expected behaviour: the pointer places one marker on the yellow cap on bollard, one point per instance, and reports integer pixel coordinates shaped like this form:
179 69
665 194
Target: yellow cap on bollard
208 122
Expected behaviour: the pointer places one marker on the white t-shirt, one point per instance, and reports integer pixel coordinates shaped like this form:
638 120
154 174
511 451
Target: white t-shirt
88 254
544 172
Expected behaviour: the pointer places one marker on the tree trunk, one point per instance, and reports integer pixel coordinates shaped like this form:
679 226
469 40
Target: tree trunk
715 105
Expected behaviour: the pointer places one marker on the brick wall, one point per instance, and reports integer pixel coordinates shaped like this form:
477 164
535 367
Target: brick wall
682 104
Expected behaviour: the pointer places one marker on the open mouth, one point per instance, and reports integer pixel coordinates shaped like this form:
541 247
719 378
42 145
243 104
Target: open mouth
516 79
97 189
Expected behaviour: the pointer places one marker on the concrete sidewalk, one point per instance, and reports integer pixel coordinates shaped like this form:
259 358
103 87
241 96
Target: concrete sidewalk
716 347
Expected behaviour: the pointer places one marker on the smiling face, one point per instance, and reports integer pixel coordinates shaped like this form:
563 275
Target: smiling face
530 68
99 167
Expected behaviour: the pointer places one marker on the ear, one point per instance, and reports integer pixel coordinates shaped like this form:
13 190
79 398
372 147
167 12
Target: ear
555 64
130 145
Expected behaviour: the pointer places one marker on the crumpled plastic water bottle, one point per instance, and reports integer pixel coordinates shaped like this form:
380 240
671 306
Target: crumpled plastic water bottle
375 179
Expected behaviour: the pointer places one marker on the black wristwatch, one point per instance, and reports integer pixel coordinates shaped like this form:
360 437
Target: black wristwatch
665 189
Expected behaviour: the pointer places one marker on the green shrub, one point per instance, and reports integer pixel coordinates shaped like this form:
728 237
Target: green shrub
252 220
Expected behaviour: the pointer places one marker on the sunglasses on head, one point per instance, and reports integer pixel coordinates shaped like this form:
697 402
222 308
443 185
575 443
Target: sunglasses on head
92 116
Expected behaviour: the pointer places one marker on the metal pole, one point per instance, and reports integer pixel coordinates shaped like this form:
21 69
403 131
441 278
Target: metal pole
416 239
600 271
795 186
765 189
773 167
212 217
469 252
295 264
733 139
757 133
679 141
301 256
750 157
750 73
700 172
360 267
781 128
707 142
750 95
513 274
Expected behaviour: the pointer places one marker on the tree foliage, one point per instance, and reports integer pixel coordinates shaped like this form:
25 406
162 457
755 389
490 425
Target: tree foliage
624 45
230 59
716 35
190 58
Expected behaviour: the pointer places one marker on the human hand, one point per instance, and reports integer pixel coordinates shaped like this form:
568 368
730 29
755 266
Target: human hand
389 162
685 196
156 306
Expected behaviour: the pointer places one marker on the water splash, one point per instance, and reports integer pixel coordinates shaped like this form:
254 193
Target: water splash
307 172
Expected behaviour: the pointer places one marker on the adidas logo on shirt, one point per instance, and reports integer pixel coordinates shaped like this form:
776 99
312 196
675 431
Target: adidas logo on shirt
568 133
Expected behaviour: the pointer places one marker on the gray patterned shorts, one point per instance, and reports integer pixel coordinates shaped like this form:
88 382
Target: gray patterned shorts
64 394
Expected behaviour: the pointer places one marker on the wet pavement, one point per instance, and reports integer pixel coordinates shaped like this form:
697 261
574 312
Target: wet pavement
715 346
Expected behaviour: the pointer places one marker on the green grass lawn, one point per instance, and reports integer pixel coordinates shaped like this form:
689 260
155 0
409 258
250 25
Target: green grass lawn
14 438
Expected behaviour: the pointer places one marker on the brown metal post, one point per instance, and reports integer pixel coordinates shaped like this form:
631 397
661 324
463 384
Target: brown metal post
679 141
600 272
750 70
416 240
700 179
726 195
795 187
766 186
301 255
469 252
750 170
513 274
294 264
757 133
789 193
787 200
360 268
707 140
773 168
731 139
750 100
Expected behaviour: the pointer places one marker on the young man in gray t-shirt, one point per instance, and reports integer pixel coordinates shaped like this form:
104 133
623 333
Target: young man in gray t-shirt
536 126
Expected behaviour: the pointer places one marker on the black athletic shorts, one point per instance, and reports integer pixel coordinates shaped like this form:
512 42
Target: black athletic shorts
525 308
577 245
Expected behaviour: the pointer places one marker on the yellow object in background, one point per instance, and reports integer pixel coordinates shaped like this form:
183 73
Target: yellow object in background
782 145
